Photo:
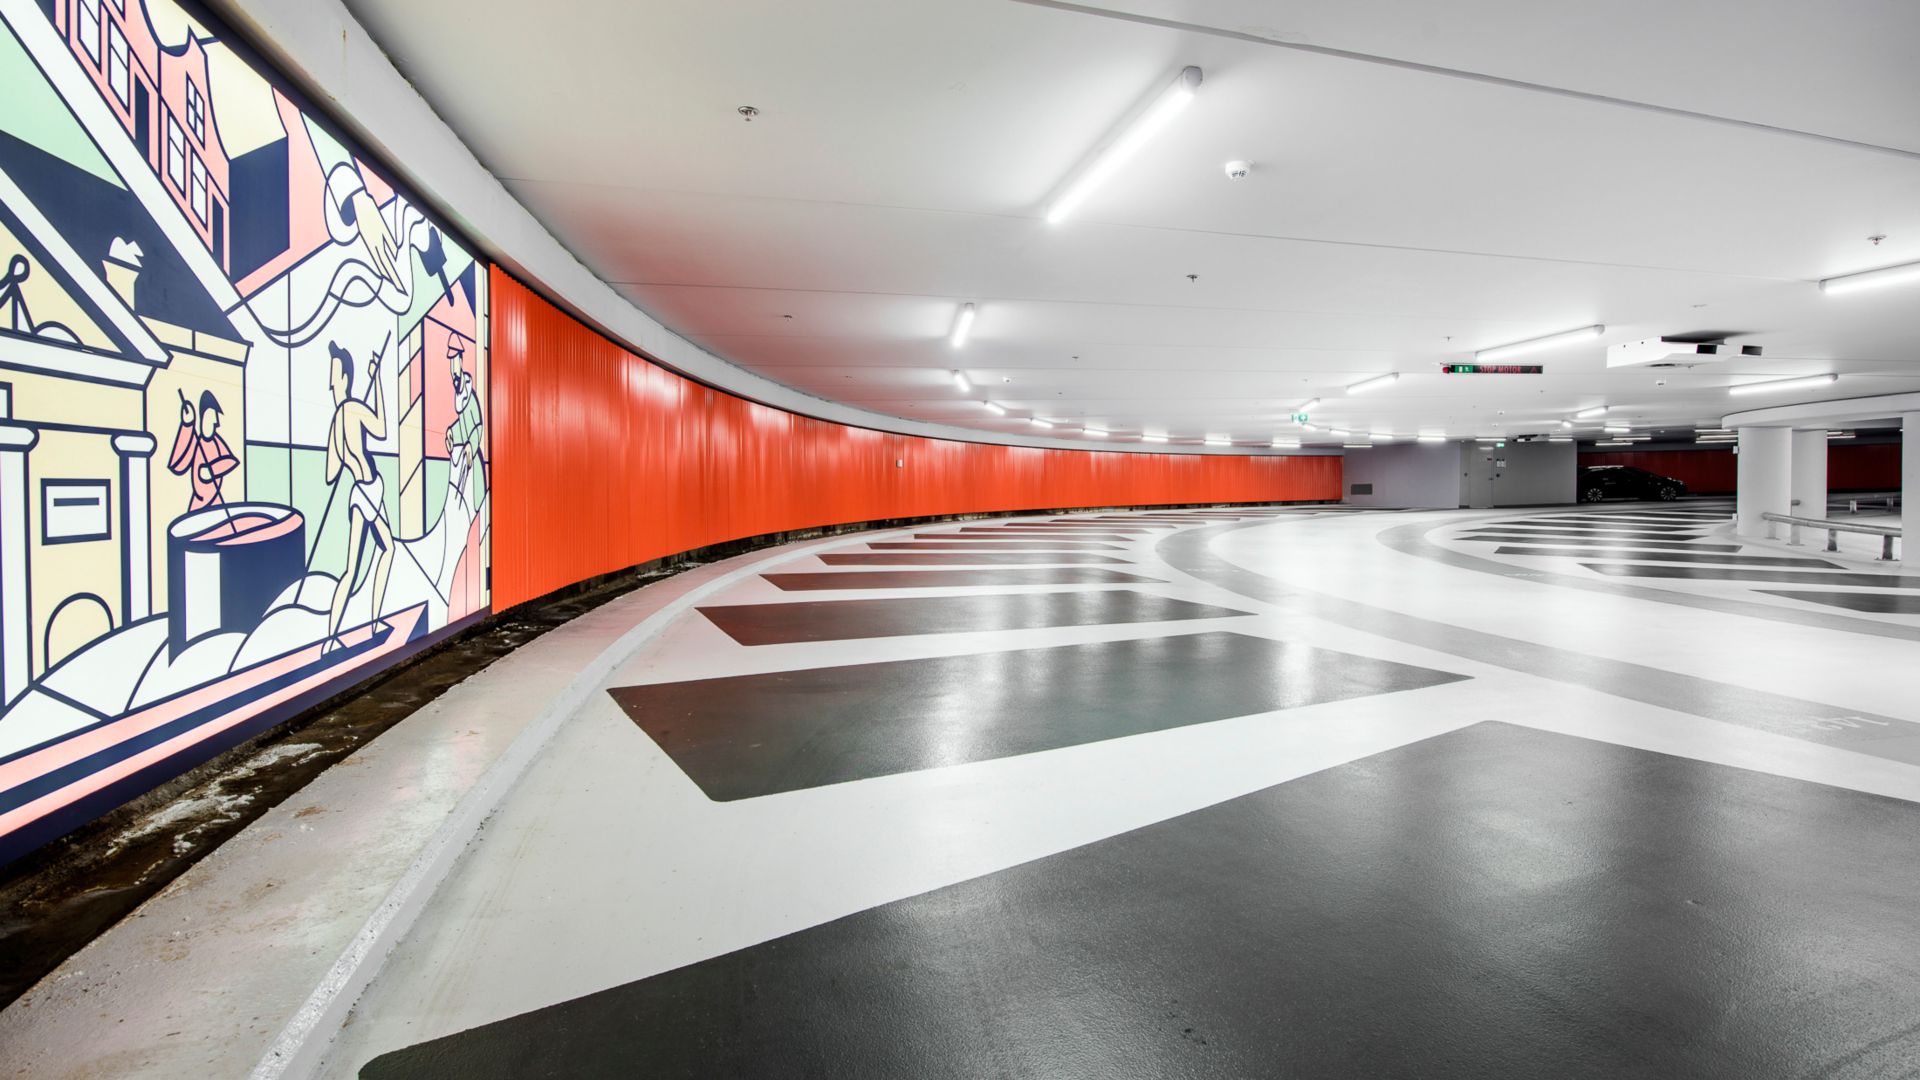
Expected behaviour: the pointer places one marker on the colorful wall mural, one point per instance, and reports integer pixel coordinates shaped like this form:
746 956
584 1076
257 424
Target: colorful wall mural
243 412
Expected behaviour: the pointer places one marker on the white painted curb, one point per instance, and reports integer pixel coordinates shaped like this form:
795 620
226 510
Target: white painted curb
298 1051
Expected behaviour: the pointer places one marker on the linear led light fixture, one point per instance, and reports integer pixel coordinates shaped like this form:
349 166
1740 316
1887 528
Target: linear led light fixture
1559 438
1808 382
1904 274
1382 436
1153 438
1588 414
1126 144
1374 383
962 326
1431 438
1840 434
1094 431
1534 345
1356 446
1037 422
1566 423
1215 441
1307 405
1286 444
960 380
995 409
1613 442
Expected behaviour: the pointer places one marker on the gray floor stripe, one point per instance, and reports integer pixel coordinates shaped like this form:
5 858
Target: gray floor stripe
1762 577
1412 540
1799 718
1878 603
1582 542
1012 545
745 736
1646 554
849 620
999 578
968 558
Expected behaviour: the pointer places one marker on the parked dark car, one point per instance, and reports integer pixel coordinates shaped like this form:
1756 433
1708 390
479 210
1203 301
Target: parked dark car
1626 482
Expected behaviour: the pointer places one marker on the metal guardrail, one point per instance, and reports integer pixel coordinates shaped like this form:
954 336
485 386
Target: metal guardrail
1891 502
1887 533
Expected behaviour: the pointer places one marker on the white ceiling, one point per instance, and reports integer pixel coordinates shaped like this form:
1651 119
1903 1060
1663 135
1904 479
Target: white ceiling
1397 218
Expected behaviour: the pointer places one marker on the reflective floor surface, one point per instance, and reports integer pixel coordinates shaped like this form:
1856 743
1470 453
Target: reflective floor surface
1570 792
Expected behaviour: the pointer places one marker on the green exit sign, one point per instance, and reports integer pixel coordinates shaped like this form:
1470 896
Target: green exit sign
1300 418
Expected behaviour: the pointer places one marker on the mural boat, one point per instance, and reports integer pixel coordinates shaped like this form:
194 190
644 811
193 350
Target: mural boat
44 778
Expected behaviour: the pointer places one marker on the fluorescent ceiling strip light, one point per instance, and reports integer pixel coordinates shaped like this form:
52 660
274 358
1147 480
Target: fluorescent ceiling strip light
1588 414
960 380
1153 438
1566 423
1809 382
1307 405
1432 438
1840 434
1904 274
997 410
1211 441
962 326
1129 142
1375 383
1357 446
1559 438
1613 442
1095 432
1037 422
1286 444
1534 345
1386 436
1616 429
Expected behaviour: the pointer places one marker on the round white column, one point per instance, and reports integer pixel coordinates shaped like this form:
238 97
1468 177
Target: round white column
1810 473
1909 479
1763 477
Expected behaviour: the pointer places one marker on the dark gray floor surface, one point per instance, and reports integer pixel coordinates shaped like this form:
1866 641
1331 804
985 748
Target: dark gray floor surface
743 736
1588 541
1497 902
841 620
945 579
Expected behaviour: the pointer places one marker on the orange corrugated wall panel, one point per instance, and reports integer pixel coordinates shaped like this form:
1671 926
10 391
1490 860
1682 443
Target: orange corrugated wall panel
603 460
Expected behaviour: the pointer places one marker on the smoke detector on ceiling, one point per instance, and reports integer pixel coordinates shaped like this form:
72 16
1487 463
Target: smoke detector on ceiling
1666 352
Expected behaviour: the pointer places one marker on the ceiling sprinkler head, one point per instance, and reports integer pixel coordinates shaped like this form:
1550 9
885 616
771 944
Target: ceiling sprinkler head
1238 170
1876 238
747 113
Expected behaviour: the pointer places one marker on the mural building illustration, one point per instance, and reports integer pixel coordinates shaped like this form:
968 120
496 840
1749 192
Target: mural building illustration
243 410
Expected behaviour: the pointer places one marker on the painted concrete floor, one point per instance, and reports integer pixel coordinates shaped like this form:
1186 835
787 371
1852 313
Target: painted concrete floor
1591 791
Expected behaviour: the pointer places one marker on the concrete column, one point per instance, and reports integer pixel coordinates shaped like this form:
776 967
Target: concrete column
136 531
1810 473
1763 481
1909 481
16 623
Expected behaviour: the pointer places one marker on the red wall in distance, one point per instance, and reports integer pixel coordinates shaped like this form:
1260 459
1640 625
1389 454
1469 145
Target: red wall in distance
1850 466
602 460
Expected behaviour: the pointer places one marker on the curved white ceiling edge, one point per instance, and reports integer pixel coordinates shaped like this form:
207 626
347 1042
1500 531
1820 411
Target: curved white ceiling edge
331 56
1815 413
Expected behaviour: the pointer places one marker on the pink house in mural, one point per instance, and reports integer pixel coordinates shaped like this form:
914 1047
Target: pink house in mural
160 95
